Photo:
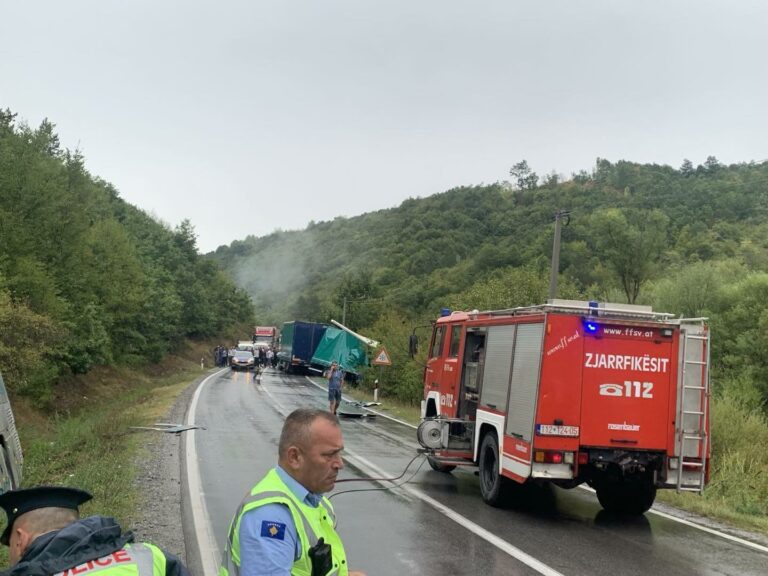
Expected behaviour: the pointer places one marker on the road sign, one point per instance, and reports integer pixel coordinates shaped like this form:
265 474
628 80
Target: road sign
382 358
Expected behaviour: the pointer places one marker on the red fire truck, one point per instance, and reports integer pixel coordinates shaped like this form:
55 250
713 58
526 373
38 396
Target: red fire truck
570 392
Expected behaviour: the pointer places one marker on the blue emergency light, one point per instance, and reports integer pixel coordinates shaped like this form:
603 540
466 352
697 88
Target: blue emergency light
445 312
590 327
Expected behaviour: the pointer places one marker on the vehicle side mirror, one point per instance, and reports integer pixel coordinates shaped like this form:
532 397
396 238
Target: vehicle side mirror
413 345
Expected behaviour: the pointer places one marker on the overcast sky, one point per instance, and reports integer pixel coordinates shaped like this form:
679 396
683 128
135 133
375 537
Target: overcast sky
245 116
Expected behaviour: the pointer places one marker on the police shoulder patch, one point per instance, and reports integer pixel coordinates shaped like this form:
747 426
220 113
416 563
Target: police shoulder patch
273 530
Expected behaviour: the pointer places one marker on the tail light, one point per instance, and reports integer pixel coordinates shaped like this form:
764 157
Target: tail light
552 457
583 458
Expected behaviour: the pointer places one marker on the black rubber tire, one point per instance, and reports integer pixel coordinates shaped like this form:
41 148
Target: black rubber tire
493 486
437 467
626 497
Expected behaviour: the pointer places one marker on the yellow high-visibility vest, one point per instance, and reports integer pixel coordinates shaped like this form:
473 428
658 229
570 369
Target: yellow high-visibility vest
311 525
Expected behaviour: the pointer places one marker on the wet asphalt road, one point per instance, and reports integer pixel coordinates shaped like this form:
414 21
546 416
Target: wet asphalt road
438 523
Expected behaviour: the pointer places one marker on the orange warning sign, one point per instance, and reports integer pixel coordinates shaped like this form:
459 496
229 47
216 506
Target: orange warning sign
382 358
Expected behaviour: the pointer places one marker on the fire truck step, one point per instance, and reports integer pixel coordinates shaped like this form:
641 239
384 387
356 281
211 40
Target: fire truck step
697 362
695 387
455 461
693 412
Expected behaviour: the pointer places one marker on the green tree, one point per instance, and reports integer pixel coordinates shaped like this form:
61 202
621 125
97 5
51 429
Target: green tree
356 298
27 341
109 282
631 243
403 379
740 332
695 291
525 178
510 288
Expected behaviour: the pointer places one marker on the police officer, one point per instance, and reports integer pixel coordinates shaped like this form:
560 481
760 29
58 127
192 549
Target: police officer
46 537
285 525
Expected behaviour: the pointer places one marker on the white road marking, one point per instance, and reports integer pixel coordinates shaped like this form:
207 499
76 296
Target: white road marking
724 535
372 470
206 542
712 531
210 555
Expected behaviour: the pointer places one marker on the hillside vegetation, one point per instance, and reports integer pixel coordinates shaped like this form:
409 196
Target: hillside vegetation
88 280
692 241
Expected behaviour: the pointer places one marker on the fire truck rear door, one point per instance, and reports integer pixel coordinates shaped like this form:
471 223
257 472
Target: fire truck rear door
627 371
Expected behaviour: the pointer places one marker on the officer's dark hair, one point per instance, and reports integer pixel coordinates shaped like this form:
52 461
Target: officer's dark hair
297 425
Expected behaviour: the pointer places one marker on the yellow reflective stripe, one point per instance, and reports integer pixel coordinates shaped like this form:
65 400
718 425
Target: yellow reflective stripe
150 559
327 505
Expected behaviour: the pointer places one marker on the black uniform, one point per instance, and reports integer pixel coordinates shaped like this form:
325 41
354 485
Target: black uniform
73 545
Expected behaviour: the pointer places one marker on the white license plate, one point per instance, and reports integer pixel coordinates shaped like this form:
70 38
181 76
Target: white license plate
552 430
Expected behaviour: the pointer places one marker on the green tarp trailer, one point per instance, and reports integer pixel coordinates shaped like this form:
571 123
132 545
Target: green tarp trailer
342 347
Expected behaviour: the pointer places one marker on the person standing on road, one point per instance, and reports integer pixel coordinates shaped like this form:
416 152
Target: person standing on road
46 536
335 380
285 525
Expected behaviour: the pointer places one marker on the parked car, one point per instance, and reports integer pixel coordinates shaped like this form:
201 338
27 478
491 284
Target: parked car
242 359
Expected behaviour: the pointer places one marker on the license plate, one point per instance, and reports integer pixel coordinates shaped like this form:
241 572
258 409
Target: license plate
552 430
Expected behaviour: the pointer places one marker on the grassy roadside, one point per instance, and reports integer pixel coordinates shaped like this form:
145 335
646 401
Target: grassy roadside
738 488
85 440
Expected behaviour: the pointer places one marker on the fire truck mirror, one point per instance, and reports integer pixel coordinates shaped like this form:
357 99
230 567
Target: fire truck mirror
413 345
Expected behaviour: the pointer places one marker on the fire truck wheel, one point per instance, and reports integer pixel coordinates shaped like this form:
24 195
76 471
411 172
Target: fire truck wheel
445 468
492 483
627 497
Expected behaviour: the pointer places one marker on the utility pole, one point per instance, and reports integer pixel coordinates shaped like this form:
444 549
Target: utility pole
559 215
344 306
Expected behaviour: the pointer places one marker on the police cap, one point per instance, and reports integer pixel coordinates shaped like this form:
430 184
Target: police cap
18 502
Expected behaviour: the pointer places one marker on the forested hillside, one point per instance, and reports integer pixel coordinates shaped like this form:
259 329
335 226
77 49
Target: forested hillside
87 279
691 241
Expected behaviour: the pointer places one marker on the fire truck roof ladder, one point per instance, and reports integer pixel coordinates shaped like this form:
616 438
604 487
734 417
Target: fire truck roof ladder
694 405
628 311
